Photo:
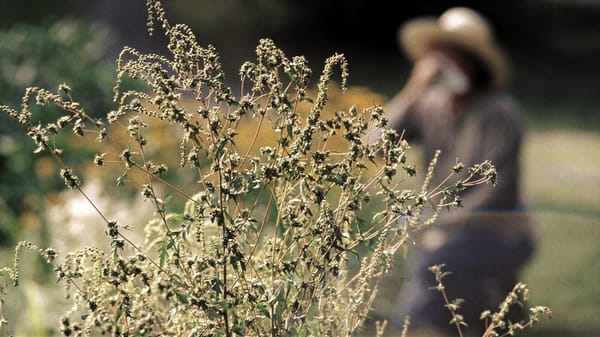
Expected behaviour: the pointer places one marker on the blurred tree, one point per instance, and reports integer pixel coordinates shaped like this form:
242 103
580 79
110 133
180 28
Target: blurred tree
45 56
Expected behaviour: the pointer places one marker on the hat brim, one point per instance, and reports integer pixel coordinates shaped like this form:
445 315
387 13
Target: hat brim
419 35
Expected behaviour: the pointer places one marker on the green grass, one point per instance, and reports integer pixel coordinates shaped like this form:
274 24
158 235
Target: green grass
562 178
561 171
565 274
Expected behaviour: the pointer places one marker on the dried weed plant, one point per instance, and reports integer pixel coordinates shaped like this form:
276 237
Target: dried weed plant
498 323
284 240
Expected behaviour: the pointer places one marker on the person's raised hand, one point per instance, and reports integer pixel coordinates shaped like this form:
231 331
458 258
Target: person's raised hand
424 73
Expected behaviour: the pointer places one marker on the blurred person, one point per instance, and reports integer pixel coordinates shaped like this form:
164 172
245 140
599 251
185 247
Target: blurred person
455 101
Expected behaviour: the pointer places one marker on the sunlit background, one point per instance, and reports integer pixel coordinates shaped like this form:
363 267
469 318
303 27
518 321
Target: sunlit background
554 47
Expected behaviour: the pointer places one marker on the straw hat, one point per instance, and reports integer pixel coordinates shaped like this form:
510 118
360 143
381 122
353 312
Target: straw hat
458 26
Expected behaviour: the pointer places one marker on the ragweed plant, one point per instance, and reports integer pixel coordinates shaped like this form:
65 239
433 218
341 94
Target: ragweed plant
286 239
498 323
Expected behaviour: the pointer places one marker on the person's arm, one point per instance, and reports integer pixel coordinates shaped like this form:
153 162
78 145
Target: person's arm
399 111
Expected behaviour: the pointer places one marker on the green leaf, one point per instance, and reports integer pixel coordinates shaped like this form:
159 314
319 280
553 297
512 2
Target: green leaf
182 298
227 215
217 285
219 151
121 180
171 241
119 312
224 305
162 253
238 331
263 310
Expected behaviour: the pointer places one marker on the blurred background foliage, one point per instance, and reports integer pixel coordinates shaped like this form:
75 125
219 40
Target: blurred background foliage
554 46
